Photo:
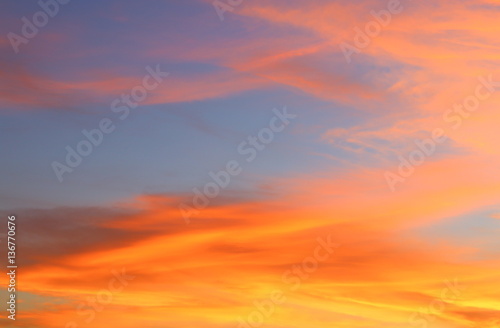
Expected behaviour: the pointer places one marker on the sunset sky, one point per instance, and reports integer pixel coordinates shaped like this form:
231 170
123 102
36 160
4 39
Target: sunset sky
251 163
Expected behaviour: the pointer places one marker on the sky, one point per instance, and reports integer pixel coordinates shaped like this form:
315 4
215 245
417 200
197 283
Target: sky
250 163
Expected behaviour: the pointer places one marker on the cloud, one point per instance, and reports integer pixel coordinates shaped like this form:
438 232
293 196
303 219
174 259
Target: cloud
236 253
